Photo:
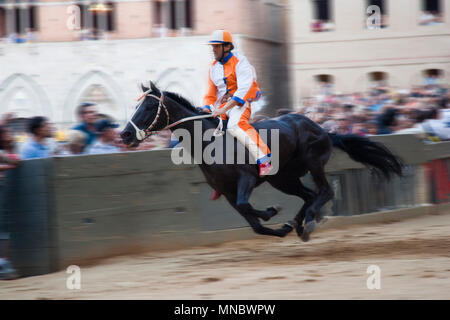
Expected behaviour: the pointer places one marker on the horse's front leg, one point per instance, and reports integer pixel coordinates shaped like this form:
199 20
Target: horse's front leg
246 184
240 202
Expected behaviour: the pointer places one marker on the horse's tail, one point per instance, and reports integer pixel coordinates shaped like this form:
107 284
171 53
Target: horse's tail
372 154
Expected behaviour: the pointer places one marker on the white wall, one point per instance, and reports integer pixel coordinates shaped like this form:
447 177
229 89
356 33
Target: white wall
54 75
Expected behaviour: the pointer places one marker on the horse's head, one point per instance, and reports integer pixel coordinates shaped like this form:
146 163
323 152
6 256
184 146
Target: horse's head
150 115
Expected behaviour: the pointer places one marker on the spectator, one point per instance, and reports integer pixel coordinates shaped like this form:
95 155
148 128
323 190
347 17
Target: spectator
8 160
30 36
372 127
160 31
327 25
316 26
320 116
162 139
36 147
359 129
428 18
88 115
76 142
386 121
437 127
404 123
149 144
376 104
7 141
344 124
6 119
382 110
173 141
106 140
330 126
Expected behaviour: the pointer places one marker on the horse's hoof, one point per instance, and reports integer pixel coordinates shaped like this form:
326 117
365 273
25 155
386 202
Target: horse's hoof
287 228
291 224
299 230
308 229
322 221
276 209
319 219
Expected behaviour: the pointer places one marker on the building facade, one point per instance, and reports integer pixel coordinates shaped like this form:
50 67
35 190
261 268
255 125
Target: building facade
350 45
55 54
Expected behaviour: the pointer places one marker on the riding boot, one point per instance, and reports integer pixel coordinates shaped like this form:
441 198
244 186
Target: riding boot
264 168
216 195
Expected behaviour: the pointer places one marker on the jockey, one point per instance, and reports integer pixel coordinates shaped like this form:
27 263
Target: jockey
231 89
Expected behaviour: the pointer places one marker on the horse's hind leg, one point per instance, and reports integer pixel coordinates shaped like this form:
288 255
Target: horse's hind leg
254 222
295 187
324 194
240 203
308 197
260 229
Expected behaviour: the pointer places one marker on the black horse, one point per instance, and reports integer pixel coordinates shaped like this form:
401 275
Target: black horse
303 147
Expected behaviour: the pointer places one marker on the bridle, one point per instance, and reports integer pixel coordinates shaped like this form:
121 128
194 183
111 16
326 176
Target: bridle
142 134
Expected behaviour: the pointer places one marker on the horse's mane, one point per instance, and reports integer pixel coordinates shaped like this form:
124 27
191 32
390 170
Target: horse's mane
183 101
187 104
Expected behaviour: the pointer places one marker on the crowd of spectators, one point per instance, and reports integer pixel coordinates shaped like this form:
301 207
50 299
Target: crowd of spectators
8 160
94 134
423 110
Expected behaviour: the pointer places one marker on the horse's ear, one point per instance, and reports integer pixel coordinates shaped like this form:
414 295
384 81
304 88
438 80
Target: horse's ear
154 88
144 88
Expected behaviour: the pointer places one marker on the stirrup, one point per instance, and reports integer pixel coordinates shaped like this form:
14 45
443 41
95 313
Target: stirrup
219 132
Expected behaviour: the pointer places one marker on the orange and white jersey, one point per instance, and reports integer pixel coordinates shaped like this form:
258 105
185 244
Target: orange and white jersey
235 76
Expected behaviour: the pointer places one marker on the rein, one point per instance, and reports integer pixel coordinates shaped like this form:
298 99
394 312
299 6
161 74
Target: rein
142 134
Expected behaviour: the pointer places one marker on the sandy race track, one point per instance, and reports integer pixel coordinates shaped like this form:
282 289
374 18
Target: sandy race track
413 256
